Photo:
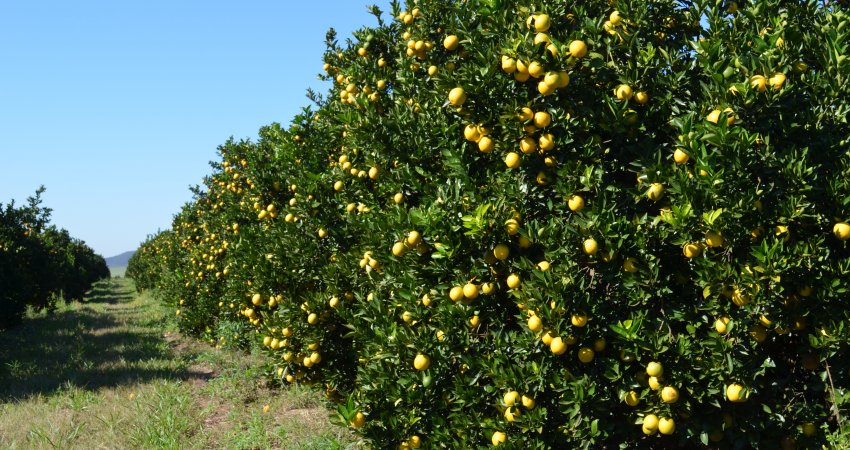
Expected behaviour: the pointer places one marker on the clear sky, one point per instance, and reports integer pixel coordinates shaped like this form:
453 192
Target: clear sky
118 106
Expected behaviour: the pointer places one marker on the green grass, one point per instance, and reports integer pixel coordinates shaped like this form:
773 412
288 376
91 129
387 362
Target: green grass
118 271
107 373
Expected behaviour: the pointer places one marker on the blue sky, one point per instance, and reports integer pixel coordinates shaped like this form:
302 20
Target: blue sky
118 106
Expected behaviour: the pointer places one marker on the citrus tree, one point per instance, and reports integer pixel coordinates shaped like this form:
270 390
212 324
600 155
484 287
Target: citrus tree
547 225
41 264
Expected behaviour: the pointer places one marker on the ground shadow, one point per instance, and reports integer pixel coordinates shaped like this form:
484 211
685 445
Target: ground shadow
87 348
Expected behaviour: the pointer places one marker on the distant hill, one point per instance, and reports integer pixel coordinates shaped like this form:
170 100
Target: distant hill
119 260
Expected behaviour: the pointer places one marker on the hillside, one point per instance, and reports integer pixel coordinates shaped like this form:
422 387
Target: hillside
119 260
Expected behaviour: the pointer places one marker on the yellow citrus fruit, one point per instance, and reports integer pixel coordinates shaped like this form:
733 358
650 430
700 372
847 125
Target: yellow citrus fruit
654 383
528 145
421 362
666 425
585 355
535 69
692 250
758 83
680 156
512 160
576 203
457 96
736 393
654 369
527 402
655 192
542 119
631 398
615 18
501 252
641 97
721 325
485 144
513 281
535 324
509 65
630 265
578 320
510 398
669 394
498 438
841 230
650 421
470 132
543 266
456 293
714 239
542 22
578 49
623 92
777 80
358 421
451 42
590 246
558 346
470 291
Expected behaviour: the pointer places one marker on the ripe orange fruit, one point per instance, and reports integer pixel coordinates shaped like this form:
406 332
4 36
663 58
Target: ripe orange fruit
470 291
512 160
590 246
451 42
736 393
632 398
542 119
575 203
692 250
557 346
721 325
841 230
486 144
578 320
498 438
680 157
578 49
585 355
654 369
666 425
421 362
359 419
669 394
535 324
513 281
623 92
655 192
501 252
457 96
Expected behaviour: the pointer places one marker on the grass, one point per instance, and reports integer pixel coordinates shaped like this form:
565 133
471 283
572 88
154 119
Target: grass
107 373
118 271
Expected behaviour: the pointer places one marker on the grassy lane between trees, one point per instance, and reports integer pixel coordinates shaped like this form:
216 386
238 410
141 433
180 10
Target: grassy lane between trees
111 372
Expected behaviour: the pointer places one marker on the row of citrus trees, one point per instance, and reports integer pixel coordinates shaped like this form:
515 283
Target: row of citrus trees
546 224
40 263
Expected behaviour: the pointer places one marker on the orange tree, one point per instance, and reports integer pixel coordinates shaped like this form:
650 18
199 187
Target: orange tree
40 264
547 225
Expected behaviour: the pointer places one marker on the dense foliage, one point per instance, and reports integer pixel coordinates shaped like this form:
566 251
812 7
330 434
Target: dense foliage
40 263
547 224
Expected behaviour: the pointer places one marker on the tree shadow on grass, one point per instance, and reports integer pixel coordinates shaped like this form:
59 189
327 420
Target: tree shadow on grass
88 349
